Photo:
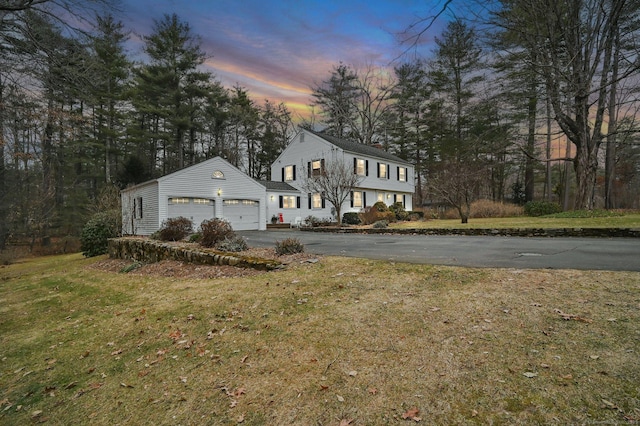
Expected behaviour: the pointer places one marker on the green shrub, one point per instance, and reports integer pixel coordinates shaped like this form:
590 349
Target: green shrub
195 237
232 244
399 211
351 218
96 232
418 214
372 214
541 208
380 206
380 224
214 231
175 229
289 246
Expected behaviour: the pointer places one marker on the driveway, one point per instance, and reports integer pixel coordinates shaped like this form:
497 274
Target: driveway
613 254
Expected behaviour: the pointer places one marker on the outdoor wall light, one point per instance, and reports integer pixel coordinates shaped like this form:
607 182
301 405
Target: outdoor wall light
272 198
219 192
388 196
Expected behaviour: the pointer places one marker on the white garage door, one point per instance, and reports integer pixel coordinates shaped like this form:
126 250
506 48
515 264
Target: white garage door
196 209
243 215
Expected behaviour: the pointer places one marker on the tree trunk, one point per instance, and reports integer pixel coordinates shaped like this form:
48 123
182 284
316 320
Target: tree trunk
529 188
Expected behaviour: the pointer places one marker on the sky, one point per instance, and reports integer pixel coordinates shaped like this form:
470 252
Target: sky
279 49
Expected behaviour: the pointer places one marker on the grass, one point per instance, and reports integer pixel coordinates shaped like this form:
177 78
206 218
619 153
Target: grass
564 220
318 344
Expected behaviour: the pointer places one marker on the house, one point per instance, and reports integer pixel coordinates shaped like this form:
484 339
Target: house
215 188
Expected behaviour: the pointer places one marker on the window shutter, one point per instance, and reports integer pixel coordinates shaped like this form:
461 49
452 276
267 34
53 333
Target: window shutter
298 202
309 169
294 172
366 167
404 200
351 198
322 166
355 166
322 197
309 200
283 174
378 169
388 171
281 201
364 199
398 172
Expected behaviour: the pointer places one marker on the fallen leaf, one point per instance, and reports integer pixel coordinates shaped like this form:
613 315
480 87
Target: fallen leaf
530 374
346 422
609 405
340 398
233 403
238 392
412 414
324 387
116 352
353 373
124 385
241 418
594 356
372 391
244 358
175 335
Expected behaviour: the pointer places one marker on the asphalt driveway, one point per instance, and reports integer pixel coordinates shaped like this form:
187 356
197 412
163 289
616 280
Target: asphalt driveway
613 254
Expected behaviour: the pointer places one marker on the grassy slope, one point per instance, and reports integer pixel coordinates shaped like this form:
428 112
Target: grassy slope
316 344
625 221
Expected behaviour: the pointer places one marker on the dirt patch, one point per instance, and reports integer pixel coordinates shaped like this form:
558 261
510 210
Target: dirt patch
172 268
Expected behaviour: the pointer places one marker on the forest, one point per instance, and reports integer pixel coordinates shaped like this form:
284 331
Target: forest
530 100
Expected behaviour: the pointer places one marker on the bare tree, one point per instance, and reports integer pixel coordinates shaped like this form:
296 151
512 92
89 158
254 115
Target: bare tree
458 183
334 182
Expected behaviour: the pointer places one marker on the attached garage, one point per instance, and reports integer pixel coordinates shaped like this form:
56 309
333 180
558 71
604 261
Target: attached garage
196 209
243 215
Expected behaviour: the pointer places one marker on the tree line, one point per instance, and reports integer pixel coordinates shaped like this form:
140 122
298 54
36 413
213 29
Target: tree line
533 100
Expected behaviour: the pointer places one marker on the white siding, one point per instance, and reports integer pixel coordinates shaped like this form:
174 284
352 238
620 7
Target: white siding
148 224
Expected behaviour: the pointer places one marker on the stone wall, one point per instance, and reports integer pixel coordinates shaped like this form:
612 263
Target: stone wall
150 251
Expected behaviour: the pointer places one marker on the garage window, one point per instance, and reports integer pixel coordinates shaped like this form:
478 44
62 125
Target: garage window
178 201
203 201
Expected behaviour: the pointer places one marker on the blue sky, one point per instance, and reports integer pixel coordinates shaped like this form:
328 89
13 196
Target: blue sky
277 50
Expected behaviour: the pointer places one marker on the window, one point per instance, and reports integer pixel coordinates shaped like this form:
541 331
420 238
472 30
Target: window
289 173
316 167
137 208
399 198
178 200
289 202
383 171
381 197
360 167
402 174
217 175
316 201
202 201
358 199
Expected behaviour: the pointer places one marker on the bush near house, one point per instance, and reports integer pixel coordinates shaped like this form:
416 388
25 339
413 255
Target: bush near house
232 244
380 224
399 211
175 229
214 231
351 218
97 231
372 214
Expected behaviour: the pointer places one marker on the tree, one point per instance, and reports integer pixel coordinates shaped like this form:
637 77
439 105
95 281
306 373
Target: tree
334 183
458 183
336 99
573 44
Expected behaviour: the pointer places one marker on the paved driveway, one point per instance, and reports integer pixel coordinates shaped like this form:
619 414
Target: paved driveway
614 254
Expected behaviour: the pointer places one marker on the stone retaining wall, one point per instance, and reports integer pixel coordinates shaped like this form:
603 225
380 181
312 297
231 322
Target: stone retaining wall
506 232
150 251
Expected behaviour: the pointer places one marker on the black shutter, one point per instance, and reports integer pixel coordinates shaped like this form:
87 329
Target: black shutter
355 166
309 169
404 200
298 202
322 166
294 172
388 171
322 200
378 169
366 168
283 174
281 201
364 199
398 172
310 201
351 198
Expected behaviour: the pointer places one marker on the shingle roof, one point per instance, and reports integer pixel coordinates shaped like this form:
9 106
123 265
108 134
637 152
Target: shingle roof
276 186
358 148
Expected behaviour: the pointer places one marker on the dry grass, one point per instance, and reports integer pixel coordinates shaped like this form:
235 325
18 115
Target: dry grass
317 344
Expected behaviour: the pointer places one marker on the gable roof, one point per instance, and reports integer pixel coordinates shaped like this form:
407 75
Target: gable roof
357 148
276 186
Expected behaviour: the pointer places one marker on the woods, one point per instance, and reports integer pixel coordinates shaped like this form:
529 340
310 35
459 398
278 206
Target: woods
500 108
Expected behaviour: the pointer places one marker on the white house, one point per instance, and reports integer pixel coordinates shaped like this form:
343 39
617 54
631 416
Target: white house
215 188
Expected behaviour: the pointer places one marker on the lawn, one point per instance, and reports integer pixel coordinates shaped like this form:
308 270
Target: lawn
629 220
337 342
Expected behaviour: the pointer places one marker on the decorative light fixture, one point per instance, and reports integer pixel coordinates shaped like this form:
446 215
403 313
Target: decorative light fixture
219 192
272 198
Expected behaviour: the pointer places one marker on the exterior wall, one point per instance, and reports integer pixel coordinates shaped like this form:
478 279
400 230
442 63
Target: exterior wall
132 224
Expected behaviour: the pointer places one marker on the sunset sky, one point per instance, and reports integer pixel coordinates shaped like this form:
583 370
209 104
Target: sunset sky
277 50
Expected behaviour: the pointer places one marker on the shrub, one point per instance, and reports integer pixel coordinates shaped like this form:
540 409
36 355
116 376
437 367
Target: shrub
380 224
96 232
289 246
419 214
175 229
233 244
488 208
541 208
195 237
380 206
214 231
399 211
314 222
351 218
371 215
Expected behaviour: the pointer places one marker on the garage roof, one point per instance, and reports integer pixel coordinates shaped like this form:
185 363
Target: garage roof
276 186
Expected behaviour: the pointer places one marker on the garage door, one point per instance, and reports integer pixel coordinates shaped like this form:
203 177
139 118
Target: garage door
243 215
196 209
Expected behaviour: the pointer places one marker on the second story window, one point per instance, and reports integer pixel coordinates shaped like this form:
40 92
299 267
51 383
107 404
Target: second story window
360 167
402 174
289 173
383 171
316 167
